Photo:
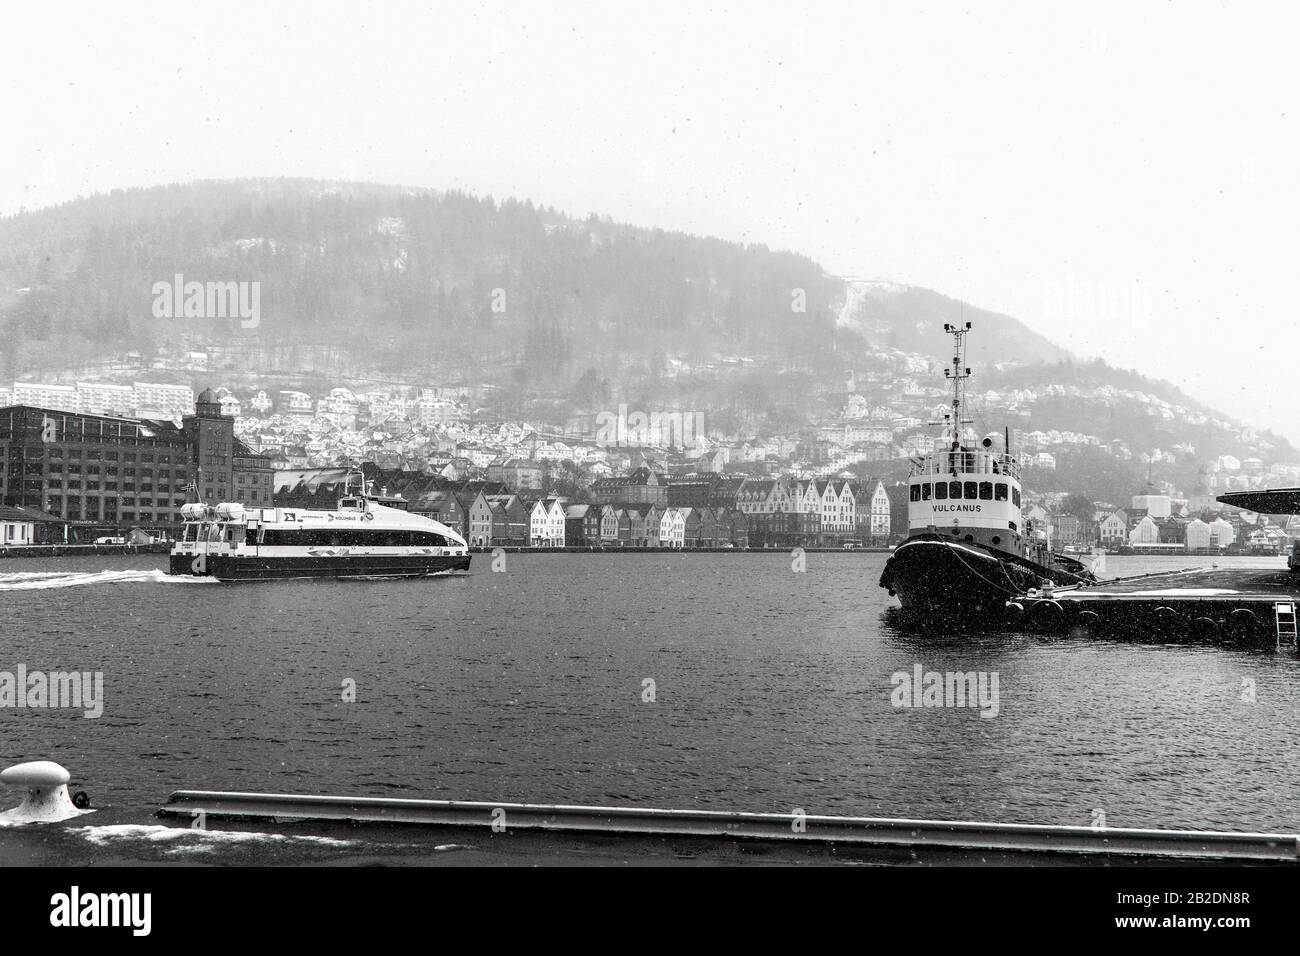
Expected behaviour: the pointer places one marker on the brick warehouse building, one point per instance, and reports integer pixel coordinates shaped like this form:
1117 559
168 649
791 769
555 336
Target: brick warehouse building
104 473
224 467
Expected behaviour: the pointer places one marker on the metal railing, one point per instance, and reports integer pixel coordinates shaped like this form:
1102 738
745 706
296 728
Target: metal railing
966 463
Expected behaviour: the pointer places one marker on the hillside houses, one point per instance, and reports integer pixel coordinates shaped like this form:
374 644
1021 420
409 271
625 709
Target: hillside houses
794 484
882 418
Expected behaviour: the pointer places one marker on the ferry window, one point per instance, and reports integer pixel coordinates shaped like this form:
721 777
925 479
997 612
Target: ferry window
925 491
970 491
1000 491
940 490
250 538
986 491
954 489
1015 497
916 493
358 538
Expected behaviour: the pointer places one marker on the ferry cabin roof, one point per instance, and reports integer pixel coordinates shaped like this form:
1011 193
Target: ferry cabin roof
301 519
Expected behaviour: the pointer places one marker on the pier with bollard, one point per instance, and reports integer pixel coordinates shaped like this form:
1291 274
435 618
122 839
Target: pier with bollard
827 832
1204 605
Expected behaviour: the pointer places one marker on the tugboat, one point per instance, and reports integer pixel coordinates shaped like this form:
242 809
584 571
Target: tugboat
367 536
968 549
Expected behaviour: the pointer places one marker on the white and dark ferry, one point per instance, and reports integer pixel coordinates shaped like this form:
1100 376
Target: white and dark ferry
968 550
365 537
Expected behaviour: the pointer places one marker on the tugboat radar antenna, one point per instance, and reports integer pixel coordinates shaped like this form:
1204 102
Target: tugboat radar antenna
957 374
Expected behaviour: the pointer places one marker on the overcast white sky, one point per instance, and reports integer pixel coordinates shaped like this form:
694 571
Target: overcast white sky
1121 176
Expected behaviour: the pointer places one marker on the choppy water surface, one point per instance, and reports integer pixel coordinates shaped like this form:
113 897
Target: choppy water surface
771 691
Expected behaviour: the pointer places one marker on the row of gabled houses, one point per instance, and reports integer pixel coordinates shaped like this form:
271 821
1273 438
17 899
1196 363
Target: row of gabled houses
512 520
825 507
648 526
643 509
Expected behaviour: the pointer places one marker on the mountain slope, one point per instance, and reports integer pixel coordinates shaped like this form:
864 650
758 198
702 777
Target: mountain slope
437 281
383 283
912 319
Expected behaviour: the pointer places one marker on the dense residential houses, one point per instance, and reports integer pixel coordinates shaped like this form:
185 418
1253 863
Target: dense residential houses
1067 530
642 486
517 473
1162 523
528 484
672 527
1113 529
546 524
140 399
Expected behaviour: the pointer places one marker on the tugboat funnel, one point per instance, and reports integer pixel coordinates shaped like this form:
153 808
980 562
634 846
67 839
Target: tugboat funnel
47 799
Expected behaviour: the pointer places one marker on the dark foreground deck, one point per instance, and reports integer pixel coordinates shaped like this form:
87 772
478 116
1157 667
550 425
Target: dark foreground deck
571 830
1196 604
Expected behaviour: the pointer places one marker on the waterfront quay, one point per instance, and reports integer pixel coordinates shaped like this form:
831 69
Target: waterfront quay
1239 605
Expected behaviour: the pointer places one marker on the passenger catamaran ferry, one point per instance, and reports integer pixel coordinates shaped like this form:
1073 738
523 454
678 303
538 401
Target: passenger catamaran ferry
362 538
968 549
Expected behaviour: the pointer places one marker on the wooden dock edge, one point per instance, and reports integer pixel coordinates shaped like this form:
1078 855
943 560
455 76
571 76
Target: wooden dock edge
795 827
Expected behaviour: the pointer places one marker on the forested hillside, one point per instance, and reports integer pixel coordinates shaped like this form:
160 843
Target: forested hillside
561 314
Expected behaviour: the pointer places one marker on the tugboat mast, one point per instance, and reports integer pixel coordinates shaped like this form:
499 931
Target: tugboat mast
957 374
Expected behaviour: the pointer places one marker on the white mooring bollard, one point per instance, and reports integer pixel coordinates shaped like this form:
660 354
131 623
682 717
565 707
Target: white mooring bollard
47 799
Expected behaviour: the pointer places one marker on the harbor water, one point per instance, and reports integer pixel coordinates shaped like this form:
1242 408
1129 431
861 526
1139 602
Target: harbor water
712 681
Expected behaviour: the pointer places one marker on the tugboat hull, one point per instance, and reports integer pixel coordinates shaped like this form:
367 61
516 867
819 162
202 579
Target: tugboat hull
954 579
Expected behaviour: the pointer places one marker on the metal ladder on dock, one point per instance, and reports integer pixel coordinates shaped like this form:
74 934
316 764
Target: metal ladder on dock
1284 624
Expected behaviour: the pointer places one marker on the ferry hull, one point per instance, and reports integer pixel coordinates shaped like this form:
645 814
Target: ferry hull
250 568
183 564
952 579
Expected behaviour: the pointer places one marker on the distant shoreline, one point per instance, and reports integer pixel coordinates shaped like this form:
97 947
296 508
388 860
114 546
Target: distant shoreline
573 549
78 550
